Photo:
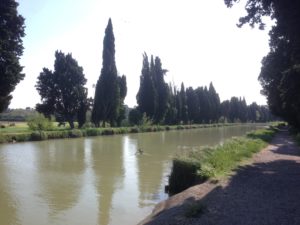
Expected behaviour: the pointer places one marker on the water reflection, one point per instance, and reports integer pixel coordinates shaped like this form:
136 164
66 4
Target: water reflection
96 181
60 169
150 166
8 211
107 160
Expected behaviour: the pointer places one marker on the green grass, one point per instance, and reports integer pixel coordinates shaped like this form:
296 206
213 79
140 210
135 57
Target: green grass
21 132
214 162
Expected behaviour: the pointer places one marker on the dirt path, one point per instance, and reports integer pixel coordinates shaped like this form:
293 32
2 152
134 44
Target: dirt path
266 192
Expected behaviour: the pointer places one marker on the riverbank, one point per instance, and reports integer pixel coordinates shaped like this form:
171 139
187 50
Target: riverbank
197 166
265 190
12 137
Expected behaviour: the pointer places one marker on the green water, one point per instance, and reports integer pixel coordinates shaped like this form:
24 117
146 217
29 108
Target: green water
93 181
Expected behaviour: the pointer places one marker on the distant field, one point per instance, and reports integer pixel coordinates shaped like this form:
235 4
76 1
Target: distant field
22 127
19 127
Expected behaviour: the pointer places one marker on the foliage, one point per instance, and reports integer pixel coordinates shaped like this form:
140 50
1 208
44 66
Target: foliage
11 48
135 117
110 89
198 165
62 91
280 71
147 95
17 114
39 123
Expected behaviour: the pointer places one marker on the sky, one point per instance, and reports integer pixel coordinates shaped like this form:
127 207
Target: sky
198 43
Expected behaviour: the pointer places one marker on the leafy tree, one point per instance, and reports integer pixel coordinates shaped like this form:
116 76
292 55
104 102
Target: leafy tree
107 94
135 117
11 49
62 91
280 74
39 123
85 105
184 107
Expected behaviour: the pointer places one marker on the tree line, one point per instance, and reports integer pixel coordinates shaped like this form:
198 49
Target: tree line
163 103
64 95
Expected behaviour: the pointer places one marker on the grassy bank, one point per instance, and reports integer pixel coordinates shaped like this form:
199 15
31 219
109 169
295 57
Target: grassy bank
21 134
192 167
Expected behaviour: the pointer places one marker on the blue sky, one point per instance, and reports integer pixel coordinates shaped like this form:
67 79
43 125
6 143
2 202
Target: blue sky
197 41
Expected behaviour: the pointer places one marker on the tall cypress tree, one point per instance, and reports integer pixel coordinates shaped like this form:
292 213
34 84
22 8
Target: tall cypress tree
146 96
214 103
107 93
184 108
161 89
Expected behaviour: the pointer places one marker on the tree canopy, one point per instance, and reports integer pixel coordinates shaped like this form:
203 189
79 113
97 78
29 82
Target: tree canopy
152 97
280 68
62 91
11 48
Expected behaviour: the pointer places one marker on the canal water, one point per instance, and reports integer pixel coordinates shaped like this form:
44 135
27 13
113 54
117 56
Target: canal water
94 181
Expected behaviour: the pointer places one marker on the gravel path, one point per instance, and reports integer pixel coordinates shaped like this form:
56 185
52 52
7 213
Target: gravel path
265 192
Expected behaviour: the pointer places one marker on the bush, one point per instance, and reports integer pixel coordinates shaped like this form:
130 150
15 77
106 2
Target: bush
108 131
75 133
38 136
92 132
39 123
3 138
134 130
57 134
135 117
2 125
22 137
183 175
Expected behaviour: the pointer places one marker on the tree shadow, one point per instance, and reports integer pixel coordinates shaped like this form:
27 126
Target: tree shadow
262 194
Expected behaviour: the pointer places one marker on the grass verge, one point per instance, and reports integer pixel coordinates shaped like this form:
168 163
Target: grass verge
193 167
24 134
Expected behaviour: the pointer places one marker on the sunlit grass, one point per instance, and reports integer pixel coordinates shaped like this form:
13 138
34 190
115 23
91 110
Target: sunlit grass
214 162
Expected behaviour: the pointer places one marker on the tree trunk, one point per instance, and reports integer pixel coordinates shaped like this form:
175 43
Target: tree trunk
71 122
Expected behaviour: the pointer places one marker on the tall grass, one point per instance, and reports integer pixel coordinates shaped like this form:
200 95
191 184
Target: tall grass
195 166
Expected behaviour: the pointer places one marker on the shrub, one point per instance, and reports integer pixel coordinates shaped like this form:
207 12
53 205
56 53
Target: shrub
92 132
3 138
38 136
2 125
39 123
75 133
108 131
134 130
183 175
22 137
